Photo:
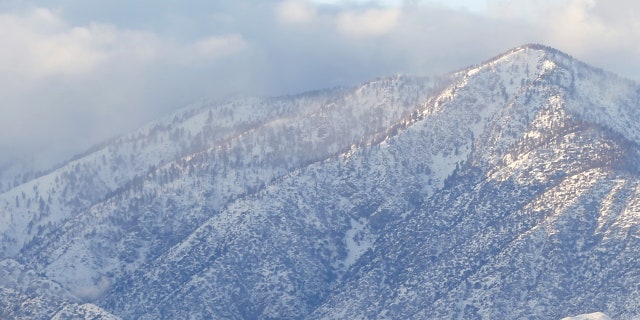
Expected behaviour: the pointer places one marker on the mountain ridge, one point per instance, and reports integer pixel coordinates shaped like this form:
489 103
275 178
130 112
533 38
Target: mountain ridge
471 310
319 204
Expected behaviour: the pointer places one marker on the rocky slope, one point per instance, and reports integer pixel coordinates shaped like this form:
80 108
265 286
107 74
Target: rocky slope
509 188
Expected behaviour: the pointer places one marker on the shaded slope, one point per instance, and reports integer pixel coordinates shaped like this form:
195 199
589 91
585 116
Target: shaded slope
506 189
539 222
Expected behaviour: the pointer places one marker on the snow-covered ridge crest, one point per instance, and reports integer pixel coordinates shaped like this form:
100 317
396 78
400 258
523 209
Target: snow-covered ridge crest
589 316
43 203
403 198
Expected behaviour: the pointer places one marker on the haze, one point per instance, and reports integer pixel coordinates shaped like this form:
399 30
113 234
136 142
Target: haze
73 73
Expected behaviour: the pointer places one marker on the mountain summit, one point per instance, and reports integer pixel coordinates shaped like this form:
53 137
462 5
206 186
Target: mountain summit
509 189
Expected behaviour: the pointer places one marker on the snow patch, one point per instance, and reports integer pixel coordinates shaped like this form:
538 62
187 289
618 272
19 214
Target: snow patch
358 240
589 316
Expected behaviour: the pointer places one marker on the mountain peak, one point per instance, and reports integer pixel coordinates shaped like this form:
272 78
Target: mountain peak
499 191
538 51
537 46
526 56
532 47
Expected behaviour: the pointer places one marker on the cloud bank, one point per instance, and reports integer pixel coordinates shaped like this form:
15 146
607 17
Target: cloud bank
73 73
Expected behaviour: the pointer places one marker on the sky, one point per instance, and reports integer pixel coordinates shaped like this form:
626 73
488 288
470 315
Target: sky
76 72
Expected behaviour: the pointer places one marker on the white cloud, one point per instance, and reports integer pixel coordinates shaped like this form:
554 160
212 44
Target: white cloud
214 47
78 73
582 27
598 31
37 44
70 52
370 23
65 87
573 25
295 11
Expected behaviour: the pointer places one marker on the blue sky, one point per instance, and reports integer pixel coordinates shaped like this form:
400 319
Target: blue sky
75 72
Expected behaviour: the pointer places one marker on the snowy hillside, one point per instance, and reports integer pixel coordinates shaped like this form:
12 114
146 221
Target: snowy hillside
507 189
263 138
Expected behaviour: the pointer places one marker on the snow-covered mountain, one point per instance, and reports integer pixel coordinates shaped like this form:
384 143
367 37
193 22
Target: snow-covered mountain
507 189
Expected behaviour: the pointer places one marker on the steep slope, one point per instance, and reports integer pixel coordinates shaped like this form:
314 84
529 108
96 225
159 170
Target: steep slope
45 202
27 295
277 253
318 125
540 221
508 189
139 210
